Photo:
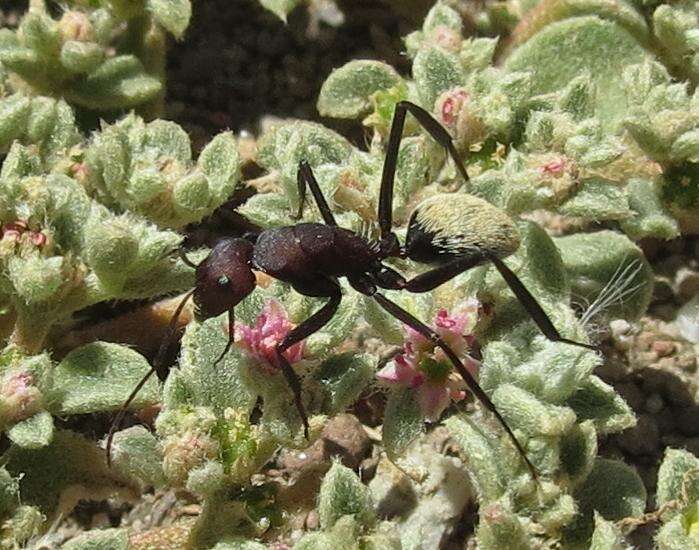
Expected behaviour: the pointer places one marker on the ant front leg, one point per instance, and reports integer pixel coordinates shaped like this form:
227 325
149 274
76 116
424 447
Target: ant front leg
417 325
313 324
231 336
438 133
305 176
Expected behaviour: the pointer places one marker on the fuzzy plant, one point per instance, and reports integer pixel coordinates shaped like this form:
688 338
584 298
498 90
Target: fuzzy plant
556 126
542 130
79 217
100 56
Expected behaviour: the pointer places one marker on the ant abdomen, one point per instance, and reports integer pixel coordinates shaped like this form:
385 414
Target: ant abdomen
450 225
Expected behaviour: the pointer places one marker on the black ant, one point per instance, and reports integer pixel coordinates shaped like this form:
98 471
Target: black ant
457 234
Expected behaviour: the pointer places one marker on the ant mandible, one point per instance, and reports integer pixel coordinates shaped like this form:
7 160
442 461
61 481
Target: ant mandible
455 234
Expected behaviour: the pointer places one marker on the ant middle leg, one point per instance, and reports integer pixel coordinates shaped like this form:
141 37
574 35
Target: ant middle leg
311 325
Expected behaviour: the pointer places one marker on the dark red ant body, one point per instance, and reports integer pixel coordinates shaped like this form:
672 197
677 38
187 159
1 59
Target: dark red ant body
312 256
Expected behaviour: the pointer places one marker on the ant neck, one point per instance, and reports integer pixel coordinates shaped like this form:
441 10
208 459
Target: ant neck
389 247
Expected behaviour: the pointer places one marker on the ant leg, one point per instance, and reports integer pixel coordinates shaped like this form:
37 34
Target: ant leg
438 133
532 307
313 324
414 323
185 260
231 336
439 275
157 365
305 176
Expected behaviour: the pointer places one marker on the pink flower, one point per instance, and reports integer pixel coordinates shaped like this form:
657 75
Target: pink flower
260 341
423 367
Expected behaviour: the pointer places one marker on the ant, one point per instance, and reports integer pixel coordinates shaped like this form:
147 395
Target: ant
456 234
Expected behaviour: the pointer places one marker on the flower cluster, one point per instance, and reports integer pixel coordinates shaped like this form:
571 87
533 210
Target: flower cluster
260 341
424 367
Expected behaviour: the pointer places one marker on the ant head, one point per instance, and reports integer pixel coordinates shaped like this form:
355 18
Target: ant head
224 278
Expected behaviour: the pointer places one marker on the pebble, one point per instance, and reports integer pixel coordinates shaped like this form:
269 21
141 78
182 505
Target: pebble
343 437
688 420
663 347
654 403
687 283
632 394
312 520
642 439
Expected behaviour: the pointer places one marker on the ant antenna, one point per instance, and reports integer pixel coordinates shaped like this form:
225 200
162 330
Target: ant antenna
157 364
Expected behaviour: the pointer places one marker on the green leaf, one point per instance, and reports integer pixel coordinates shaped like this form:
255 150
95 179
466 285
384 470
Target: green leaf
523 410
342 379
489 464
220 163
238 544
403 422
342 493
218 386
9 492
81 57
501 528
651 218
607 536
678 477
673 536
119 83
136 454
99 377
34 432
346 93
69 462
598 402
597 200
280 8
436 71
568 48
615 280
173 15
100 539
614 490
578 451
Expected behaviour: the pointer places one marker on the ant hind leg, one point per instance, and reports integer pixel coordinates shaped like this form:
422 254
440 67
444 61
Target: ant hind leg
532 307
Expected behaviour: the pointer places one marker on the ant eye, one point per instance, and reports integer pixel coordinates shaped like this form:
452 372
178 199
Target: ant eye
223 280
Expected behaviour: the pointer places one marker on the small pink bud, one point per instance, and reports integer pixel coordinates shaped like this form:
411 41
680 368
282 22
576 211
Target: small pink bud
80 171
447 38
452 106
554 168
38 238
19 397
